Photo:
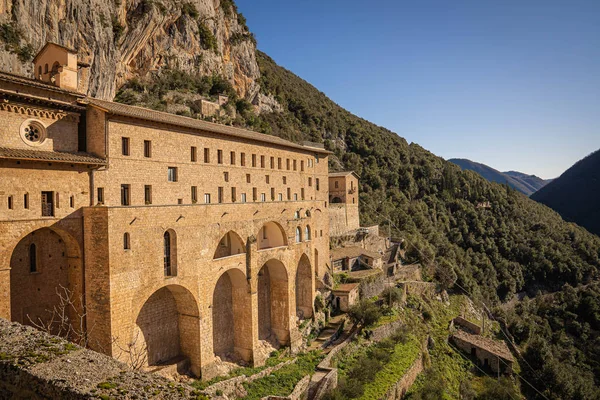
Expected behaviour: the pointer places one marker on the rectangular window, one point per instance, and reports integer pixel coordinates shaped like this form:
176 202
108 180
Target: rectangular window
295 196
26 201
267 179
302 193
232 158
243 197
100 195
72 201
220 194
10 202
254 194
272 162
287 164
193 154
47 204
278 162
253 160
243 159
317 183
207 198
248 178
336 184
272 194
147 148
125 195
233 195
309 181
172 174
280 196
289 193
219 156
206 155
295 165
301 165
194 194
226 176
263 197
57 200
262 161
285 180
148 194
125 146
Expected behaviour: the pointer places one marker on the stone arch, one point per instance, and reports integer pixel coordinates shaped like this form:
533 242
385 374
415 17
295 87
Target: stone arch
336 200
304 291
273 303
232 317
168 327
230 244
34 292
271 235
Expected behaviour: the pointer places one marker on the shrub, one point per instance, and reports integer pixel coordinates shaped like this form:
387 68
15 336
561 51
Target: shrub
207 38
365 313
391 296
190 10
117 28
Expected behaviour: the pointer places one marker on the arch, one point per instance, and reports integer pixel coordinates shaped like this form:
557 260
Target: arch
232 317
304 291
298 234
40 72
229 245
308 213
273 303
170 253
126 241
169 323
307 232
55 67
271 235
46 68
43 264
335 200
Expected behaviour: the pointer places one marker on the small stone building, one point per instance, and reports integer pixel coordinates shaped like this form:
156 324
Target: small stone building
354 259
490 353
345 296
343 199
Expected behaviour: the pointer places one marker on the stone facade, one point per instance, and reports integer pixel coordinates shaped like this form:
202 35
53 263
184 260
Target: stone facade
343 199
185 238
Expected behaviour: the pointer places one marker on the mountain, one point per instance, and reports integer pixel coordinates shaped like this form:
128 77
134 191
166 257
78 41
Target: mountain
470 235
575 195
526 184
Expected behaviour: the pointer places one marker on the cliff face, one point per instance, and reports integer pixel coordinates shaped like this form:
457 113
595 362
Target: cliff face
123 39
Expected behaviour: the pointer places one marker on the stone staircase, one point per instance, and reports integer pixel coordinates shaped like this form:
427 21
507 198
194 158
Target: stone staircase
324 337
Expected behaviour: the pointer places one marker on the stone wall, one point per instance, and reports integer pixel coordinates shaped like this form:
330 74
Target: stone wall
401 387
35 365
343 218
385 331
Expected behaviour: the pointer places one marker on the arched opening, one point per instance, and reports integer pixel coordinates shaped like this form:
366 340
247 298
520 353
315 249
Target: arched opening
170 253
229 245
170 328
307 233
304 293
45 266
335 200
55 67
298 235
271 235
273 304
232 317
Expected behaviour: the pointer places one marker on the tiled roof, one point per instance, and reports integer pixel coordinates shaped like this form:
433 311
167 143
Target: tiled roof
8 77
187 122
351 252
54 156
495 347
345 287
343 173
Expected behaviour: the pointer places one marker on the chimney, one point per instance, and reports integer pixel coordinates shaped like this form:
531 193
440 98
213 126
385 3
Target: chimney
57 65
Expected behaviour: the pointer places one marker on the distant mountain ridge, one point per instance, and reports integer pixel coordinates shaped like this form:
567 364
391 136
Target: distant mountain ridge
575 195
524 183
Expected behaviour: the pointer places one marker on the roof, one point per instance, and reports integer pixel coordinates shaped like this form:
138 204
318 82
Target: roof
187 122
39 53
8 77
346 287
351 252
497 348
343 173
54 156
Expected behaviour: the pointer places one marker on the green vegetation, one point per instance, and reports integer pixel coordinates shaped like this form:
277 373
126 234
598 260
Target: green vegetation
365 313
207 38
228 7
190 10
283 381
117 28
238 38
11 36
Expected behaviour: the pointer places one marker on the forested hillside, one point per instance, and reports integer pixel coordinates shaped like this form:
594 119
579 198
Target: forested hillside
576 194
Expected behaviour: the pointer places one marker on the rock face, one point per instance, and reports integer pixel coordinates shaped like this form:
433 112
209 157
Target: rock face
123 39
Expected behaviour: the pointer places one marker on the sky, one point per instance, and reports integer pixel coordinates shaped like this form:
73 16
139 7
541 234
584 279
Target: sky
514 84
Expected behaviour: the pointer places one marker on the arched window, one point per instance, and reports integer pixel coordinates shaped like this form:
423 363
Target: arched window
167 254
307 232
298 235
308 213
46 69
40 71
297 215
126 241
32 258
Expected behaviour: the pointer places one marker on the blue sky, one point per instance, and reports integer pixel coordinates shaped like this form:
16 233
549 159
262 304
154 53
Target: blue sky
514 84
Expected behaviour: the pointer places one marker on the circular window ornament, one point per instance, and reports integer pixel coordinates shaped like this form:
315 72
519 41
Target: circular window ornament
33 132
